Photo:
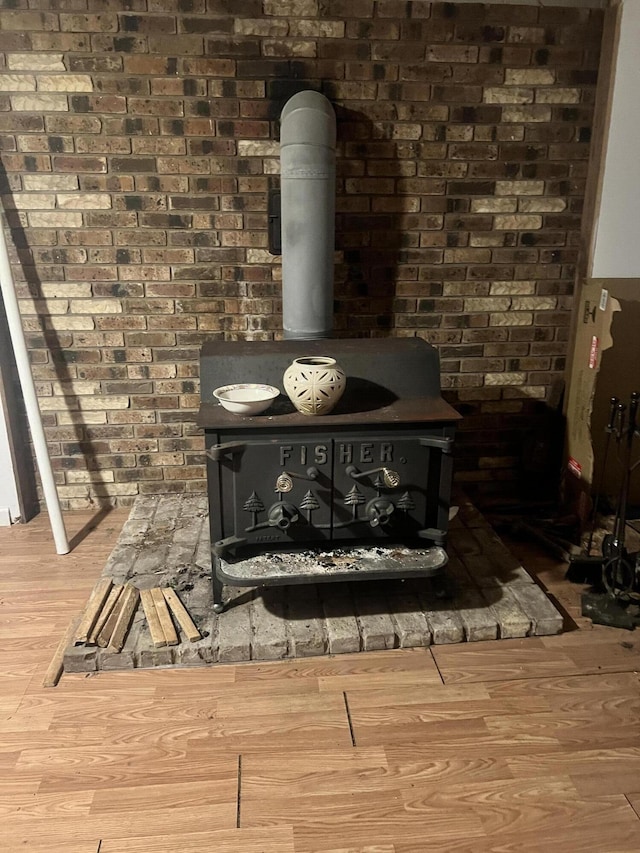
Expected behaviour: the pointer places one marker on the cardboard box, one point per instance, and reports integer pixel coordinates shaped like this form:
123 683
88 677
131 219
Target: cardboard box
606 364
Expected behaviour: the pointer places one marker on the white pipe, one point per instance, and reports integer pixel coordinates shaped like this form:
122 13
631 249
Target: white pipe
30 399
307 188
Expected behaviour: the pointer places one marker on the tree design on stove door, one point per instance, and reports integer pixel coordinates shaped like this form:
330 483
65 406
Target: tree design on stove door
254 505
378 484
406 503
309 503
354 498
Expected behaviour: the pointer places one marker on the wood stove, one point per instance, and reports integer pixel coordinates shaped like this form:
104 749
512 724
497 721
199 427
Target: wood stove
375 472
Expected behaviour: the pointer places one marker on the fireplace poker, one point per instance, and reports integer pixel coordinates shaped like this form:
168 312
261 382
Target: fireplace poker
618 571
610 429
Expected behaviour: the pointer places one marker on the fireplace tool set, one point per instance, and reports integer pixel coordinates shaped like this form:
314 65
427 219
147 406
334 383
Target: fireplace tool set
615 573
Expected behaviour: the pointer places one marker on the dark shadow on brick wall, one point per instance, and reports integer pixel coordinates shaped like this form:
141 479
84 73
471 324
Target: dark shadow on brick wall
370 229
48 346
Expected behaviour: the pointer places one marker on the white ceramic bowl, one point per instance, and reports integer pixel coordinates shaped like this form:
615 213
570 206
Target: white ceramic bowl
246 398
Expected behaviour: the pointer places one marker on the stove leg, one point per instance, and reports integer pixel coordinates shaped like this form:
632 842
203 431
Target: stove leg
218 587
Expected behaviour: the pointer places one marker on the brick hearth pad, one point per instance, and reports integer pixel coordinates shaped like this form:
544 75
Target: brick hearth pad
165 542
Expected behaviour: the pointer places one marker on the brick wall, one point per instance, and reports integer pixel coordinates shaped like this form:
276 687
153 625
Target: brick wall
140 137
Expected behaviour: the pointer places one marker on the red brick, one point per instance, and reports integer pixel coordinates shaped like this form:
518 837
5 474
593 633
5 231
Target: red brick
125 43
156 107
80 164
209 67
20 20
26 163
147 24
146 65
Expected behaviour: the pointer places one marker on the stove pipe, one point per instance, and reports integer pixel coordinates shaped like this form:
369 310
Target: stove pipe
307 189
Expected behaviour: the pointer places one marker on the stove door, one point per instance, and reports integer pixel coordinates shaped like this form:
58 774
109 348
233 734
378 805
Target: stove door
385 489
276 493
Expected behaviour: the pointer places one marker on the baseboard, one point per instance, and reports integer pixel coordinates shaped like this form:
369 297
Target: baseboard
5 516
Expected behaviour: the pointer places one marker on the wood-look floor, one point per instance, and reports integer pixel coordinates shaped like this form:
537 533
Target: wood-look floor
522 745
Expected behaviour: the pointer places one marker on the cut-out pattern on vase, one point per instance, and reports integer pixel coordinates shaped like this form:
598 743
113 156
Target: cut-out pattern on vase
314 384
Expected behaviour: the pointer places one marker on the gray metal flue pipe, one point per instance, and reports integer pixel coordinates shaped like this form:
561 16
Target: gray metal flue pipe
307 189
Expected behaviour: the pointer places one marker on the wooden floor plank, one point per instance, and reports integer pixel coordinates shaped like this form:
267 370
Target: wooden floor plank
474 745
27 720
361 848
562 688
33 806
337 820
291 732
16 785
360 770
379 669
53 846
405 709
593 771
8 706
551 817
578 731
342 665
418 694
277 840
592 826
314 772
413 766
123 767
506 660
171 795
124 825
415 729
165 682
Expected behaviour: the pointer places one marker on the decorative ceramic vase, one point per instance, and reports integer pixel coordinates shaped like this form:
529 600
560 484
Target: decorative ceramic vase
314 384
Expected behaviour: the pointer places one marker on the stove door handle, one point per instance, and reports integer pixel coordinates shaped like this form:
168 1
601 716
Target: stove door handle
284 483
443 444
217 451
390 478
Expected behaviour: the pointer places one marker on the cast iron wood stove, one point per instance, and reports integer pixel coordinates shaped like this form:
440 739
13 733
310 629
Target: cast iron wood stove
374 473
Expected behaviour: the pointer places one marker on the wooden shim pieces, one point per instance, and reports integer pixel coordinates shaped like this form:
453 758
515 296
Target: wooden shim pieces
181 615
92 610
161 627
55 668
129 598
106 624
107 629
164 617
107 609
151 614
110 609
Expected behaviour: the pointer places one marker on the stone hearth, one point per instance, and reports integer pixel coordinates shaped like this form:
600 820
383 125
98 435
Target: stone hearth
165 542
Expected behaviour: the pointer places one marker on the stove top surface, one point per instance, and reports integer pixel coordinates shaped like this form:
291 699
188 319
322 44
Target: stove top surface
390 381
